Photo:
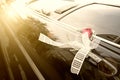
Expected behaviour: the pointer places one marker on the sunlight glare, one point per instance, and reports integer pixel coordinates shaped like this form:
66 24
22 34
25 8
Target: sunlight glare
19 6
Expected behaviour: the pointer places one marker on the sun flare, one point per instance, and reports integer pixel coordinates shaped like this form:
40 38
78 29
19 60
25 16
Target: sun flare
18 7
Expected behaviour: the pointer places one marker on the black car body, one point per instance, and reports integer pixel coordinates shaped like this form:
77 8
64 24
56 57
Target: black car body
37 60
101 17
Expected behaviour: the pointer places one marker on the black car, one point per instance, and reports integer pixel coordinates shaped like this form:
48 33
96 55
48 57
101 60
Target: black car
27 58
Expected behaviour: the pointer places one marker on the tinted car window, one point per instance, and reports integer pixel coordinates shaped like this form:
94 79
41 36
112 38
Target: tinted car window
102 18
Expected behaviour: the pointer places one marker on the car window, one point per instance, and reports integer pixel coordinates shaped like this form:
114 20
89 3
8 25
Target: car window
103 19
